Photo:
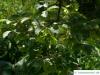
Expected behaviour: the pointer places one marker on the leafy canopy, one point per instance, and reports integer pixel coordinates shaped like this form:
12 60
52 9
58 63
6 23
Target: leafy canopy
49 37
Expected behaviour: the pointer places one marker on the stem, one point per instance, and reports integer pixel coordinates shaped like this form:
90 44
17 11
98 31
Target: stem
59 10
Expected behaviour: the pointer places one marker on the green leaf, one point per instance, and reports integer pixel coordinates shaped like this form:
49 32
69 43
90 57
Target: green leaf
53 40
5 34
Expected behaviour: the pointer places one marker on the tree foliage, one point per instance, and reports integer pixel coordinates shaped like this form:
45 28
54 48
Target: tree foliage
50 37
